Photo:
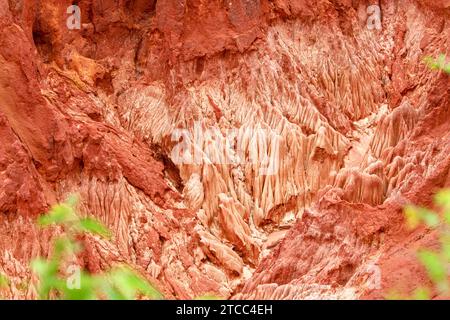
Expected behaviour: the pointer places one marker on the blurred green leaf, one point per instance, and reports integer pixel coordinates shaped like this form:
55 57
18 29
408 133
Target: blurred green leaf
93 226
72 200
442 198
110 292
4 281
86 291
445 242
436 263
59 214
447 69
430 218
395 295
438 64
47 273
436 268
63 245
44 267
120 283
440 61
422 294
412 217
416 215
129 284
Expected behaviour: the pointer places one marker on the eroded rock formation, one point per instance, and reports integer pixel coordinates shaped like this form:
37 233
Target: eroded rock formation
245 148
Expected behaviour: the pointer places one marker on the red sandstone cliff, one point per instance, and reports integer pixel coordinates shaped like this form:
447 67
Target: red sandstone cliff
363 128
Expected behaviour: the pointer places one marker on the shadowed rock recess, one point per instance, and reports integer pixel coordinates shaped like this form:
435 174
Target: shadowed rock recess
362 128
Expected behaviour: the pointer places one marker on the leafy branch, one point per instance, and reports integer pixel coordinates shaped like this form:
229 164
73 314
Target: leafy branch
435 262
438 63
120 283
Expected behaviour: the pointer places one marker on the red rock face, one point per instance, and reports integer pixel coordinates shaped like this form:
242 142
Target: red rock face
307 132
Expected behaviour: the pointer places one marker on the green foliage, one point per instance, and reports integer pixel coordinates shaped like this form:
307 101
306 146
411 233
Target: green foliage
416 215
436 268
435 262
438 64
422 294
60 279
3 281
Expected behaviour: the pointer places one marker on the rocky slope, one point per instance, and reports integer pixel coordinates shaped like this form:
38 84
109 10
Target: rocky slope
246 148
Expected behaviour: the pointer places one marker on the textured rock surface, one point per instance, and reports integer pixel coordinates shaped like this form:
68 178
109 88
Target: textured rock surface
362 128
